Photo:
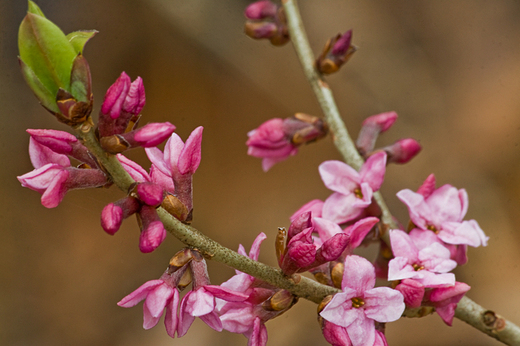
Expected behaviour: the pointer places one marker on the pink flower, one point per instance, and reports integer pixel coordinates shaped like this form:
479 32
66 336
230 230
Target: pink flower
270 142
247 317
421 257
360 304
442 212
178 162
200 302
158 295
445 300
353 190
123 102
356 233
53 176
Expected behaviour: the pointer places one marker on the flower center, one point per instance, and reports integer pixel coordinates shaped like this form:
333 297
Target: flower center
357 302
358 193
417 267
433 229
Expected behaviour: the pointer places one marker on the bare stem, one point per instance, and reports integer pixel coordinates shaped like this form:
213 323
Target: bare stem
467 310
298 285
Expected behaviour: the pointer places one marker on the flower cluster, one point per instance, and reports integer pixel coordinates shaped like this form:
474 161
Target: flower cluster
322 236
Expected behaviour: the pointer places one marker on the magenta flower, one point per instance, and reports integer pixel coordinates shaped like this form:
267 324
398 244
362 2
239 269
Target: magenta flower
420 256
158 295
178 162
442 212
270 142
200 302
353 190
123 102
356 233
53 176
360 304
445 300
247 317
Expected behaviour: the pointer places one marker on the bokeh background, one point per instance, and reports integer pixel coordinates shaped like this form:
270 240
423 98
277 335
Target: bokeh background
451 69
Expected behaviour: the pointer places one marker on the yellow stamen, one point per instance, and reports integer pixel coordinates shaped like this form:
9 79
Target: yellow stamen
357 302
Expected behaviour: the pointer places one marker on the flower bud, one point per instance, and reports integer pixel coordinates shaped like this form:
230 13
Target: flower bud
371 128
113 214
266 20
152 229
123 102
54 68
147 136
261 10
402 151
277 139
63 143
336 52
149 193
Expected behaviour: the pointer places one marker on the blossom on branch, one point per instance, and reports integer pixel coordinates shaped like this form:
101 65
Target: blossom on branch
352 190
53 175
442 211
277 139
360 304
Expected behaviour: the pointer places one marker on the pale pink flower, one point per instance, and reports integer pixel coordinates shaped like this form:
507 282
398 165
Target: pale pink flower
247 317
53 176
158 295
360 304
353 190
442 212
420 256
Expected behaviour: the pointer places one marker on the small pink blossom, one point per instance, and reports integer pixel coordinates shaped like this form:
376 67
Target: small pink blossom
442 212
360 304
445 300
53 176
158 295
352 190
419 256
178 162
270 142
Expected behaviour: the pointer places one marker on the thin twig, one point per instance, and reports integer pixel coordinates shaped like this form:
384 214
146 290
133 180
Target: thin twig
467 310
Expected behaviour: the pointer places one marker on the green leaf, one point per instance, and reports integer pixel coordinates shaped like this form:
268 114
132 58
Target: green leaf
45 49
46 98
33 8
78 39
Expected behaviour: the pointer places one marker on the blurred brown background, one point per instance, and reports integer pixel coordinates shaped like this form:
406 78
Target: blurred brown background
451 69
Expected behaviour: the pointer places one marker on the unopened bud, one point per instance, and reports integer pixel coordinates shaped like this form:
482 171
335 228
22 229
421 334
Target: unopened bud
266 20
337 51
371 128
402 151
261 10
